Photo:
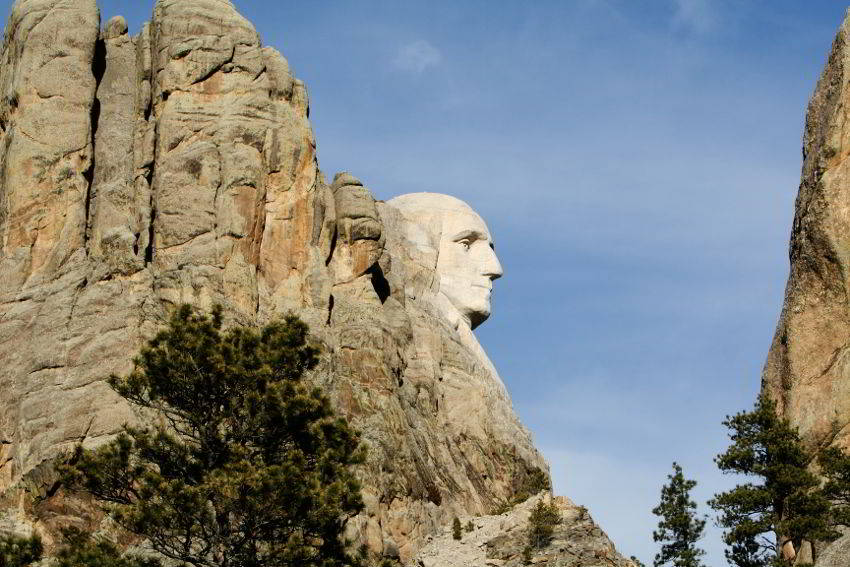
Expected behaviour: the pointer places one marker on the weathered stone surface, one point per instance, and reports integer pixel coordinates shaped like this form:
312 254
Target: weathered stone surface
835 555
808 368
498 541
55 330
177 166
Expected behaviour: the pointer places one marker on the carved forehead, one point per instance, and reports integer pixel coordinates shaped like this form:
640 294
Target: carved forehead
412 202
442 214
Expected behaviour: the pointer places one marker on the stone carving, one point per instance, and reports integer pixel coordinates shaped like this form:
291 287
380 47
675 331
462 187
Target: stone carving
466 258
178 165
451 240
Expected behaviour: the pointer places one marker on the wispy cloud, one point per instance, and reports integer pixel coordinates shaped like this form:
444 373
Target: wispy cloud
417 56
697 15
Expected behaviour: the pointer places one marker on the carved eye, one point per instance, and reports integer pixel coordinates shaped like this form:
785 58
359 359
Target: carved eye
465 243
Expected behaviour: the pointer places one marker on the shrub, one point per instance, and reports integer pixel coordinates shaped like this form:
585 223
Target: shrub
531 483
541 524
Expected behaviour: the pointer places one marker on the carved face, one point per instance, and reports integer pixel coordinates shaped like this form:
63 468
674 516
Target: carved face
467 263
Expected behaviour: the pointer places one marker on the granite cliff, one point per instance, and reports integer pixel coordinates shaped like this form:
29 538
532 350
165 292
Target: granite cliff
179 165
808 367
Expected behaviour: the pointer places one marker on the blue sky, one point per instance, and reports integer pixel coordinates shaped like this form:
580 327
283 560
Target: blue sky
637 163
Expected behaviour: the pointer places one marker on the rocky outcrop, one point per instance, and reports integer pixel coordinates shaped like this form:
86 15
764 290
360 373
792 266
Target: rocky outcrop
178 165
499 541
808 367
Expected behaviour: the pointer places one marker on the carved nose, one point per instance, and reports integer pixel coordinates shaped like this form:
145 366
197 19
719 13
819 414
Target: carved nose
493 268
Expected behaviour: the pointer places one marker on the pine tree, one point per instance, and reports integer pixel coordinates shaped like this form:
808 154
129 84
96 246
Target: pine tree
679 528
784 506
246 466
81 549
835 466
541 527
541 524
456 533
18 551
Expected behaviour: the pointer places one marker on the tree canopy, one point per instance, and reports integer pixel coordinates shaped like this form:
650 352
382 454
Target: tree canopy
16 551
835 466
245 464
767 520
679 527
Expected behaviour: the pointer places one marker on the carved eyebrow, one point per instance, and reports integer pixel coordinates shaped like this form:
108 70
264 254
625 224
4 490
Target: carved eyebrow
467 234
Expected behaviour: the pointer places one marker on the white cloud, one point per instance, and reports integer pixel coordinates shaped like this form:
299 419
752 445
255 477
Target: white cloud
697 15
417 56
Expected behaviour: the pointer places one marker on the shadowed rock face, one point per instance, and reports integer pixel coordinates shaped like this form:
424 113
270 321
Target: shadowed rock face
137 173
808 368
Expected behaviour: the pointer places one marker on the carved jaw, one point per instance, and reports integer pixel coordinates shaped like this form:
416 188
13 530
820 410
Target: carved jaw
473 309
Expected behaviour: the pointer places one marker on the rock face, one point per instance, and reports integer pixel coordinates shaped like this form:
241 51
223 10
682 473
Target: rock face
137 173
808 368
499 540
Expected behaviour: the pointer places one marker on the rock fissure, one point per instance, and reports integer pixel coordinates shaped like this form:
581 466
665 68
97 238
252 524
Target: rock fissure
75 298
98 68
332 247
48 367
31 137
149 249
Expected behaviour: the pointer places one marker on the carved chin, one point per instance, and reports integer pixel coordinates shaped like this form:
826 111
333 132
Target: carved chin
478 317
478 313
471 302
